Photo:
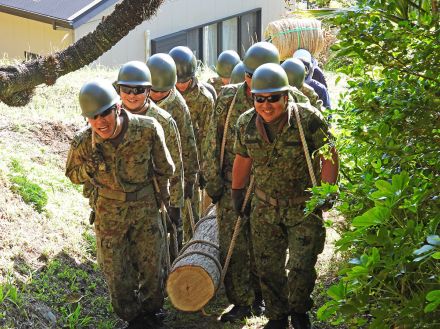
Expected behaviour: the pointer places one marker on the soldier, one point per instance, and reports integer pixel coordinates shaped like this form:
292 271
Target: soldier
268 142
133 85
296 73
115 155
317 86
226 62
200 104
164 93
316 72
237 74
241 282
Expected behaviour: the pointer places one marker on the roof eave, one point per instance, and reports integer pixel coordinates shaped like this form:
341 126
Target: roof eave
37 17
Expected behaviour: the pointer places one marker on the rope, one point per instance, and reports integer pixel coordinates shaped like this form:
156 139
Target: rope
225 131
305 147
203 220
207 210
236 230
209 243
191 215
195 252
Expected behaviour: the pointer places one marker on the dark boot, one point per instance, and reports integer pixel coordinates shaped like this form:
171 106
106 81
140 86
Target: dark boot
277 324
237 313
258 307
144 321
300 321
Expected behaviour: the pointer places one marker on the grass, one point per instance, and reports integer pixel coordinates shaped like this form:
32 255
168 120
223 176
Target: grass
48 271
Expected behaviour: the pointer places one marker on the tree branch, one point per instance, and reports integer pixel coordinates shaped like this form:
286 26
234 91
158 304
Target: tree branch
18 82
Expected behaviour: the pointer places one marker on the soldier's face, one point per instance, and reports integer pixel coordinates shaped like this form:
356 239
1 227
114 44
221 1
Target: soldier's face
225 81
182 86
158 95
270 106
104 124
133 97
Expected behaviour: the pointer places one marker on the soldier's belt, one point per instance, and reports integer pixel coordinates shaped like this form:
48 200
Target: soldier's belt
280 202
126 196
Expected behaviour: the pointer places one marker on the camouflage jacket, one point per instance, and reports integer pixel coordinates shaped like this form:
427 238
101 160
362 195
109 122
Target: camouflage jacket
280 168
201 105
217 83
312 96
172 140
243 102
128 167
175 105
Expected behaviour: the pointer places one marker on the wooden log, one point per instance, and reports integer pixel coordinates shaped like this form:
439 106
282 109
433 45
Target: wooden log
195 274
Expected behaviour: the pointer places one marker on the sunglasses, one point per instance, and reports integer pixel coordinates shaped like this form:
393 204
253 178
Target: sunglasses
105 113
249 75
270 99
135 90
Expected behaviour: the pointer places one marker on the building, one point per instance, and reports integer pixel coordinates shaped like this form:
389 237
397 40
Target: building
34 28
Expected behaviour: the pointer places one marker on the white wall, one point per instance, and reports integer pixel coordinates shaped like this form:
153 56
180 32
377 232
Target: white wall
174 16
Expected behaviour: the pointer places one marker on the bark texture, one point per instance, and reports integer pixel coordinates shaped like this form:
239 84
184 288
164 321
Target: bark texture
195 274
18 82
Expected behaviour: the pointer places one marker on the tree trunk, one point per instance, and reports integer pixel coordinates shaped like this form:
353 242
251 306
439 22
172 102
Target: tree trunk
195 274
18 82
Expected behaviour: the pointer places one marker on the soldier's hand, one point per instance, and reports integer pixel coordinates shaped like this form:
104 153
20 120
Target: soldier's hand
175 216
238 196
188 191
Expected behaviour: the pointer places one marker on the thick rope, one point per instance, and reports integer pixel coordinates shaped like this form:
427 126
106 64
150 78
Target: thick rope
225 131
164 224
195 252
203 219
236 230
192 242
305 147
191 215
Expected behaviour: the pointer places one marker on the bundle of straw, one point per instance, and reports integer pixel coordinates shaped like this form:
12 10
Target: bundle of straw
291 34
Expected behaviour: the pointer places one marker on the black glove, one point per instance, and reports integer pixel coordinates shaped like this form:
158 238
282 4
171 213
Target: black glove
175 216
216 198
202 181
188 191
238 196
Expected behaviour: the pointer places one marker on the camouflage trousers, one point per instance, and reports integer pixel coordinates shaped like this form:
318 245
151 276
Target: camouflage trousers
186 222
130 245
241 280
274 230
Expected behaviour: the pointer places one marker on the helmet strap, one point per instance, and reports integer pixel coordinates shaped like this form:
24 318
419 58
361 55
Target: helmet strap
118 125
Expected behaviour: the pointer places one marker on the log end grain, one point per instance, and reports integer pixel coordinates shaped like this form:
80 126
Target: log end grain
190 288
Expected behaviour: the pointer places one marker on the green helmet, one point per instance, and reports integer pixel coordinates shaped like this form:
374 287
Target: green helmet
226 62
134 73
97 96
163 72
258 54
269 78
304 56
238 73
296 71
186 63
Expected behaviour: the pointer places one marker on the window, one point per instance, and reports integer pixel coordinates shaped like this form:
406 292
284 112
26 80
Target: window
207 41
230 34
210 43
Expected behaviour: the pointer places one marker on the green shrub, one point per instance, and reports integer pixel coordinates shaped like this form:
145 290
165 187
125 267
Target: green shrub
389 144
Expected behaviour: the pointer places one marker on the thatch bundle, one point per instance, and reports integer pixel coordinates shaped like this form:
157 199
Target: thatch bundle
291 34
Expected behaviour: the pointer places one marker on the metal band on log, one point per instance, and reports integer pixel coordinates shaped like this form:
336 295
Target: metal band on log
195 274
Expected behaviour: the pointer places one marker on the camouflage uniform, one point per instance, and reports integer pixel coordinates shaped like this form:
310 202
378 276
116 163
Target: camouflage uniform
129 235
172 140
200 104
313 97
241 280
217 83
277 216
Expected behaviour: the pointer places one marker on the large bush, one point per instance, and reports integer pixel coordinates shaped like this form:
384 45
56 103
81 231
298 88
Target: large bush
390 144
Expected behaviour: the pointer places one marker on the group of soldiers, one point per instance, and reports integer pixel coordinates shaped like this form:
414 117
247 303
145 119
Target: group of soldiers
158 138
